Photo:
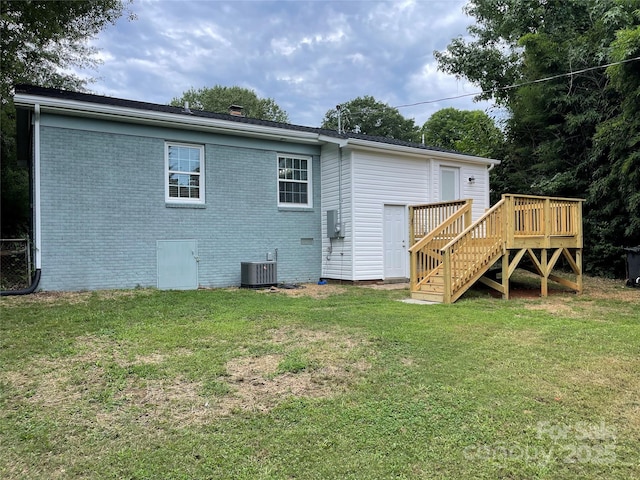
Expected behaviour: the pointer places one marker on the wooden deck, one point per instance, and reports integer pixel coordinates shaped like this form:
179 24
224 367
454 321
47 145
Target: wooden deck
449 254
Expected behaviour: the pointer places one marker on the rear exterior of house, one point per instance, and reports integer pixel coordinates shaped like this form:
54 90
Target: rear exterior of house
129 194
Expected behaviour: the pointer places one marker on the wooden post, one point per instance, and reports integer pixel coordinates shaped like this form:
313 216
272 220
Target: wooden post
446 274
547 226
505 274
412 234
579 264
413 274
507 221
467 215
544 277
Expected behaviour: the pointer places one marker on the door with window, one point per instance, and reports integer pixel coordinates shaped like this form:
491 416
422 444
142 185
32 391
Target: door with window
449 184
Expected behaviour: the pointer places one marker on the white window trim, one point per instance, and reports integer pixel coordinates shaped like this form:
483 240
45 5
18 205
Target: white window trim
309 160
169 199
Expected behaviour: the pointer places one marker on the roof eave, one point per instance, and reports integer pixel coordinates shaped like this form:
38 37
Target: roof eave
148 117
369 145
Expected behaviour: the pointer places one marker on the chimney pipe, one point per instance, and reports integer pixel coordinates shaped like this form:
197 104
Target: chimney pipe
236 110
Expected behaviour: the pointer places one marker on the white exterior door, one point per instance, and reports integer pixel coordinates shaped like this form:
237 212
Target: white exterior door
395 241
449 184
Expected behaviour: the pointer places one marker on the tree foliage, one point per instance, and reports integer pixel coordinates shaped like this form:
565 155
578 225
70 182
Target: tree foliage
567 135
368 116
218 99
465 131
40 41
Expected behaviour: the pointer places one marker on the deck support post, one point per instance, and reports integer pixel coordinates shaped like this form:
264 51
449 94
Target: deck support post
505 275
578 271
544 275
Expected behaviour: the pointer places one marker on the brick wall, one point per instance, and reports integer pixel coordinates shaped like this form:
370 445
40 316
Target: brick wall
103 209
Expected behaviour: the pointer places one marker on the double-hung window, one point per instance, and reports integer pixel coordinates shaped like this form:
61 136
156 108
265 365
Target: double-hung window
294 181
184 173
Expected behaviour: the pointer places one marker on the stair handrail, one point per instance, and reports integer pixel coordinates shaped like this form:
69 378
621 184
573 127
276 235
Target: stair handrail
438 230
465 211
448 251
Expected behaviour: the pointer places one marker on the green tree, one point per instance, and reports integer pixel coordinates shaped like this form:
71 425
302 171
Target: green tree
560 127
465 131
218 99
615 158
40 41
368 116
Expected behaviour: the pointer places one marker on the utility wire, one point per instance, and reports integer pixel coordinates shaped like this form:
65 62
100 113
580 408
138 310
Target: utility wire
518 85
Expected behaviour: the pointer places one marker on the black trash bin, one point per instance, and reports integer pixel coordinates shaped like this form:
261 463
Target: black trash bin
633 266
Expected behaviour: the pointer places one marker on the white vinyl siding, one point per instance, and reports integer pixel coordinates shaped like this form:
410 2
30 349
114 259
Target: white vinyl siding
369 182
337 254
380 180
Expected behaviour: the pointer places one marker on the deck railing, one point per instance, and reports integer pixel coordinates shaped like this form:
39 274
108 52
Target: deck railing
543 217
425 254
425 218
461 253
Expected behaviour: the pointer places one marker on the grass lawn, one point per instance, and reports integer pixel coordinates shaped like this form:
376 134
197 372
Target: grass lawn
327 382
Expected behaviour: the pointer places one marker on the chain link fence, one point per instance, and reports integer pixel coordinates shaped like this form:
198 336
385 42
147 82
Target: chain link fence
15 264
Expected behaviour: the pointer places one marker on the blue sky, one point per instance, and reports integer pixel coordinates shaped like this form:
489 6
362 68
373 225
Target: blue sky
307 56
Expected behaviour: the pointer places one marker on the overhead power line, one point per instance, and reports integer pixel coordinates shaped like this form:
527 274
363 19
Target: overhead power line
523 84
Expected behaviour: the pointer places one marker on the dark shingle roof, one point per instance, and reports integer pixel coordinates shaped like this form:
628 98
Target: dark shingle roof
154 107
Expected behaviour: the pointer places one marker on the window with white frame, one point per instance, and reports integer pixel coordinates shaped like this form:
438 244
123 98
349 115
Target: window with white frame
294 181
184 173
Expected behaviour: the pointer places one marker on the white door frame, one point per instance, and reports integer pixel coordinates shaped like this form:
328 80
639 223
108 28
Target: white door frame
397 251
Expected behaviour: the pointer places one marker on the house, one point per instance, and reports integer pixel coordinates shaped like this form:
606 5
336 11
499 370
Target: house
129 194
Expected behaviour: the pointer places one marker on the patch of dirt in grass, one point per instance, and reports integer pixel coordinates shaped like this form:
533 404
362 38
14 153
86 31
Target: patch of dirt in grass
82 383
73 298
177 401
335 361
95 384
568 304
609 289
555 307
96 349
308 290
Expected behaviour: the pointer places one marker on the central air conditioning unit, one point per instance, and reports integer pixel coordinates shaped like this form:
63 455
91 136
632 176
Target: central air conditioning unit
258 274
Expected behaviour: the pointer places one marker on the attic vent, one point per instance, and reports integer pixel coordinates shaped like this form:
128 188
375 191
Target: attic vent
258 274
236 110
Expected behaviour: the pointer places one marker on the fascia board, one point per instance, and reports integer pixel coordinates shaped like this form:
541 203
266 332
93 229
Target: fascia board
148 117
341 142
366 145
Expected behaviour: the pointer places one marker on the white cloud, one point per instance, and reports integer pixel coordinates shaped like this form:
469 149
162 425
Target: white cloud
307 56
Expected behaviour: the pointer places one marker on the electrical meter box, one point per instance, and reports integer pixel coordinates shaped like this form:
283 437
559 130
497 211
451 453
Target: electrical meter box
333 226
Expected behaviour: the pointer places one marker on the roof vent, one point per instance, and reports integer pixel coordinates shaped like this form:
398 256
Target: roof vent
236 110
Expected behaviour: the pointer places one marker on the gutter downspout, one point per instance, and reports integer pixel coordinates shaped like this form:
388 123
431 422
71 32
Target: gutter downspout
37 221
340 190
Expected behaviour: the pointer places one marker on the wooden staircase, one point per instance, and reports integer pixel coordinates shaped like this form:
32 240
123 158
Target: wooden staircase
449 253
